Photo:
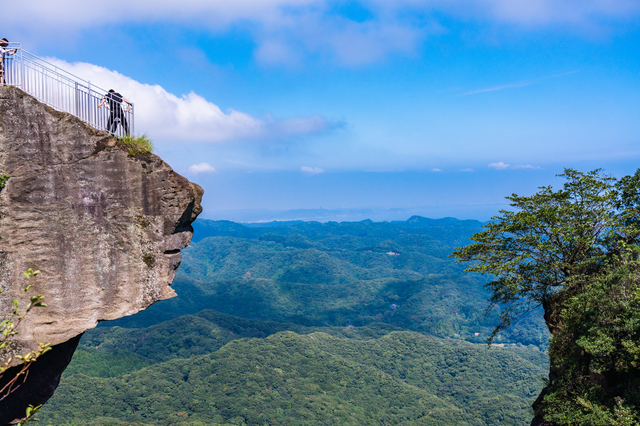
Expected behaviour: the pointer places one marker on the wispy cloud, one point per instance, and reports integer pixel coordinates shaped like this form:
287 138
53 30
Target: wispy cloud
521 83
436 170
191 117
311 170
526 166
502 166
466 170
501 87
498 166
201 168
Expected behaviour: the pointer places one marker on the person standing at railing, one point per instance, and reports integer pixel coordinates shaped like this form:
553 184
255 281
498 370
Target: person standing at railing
4 53
116 114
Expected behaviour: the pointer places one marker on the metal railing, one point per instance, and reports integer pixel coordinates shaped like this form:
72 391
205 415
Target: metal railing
64 91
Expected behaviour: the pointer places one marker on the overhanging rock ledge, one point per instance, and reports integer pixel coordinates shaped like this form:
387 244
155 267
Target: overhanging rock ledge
105 228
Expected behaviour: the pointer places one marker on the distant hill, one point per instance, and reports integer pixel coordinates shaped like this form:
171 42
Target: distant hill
339 274
204 228
259 216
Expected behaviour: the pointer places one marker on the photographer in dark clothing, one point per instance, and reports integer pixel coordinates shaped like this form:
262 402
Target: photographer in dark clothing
3 54
115 100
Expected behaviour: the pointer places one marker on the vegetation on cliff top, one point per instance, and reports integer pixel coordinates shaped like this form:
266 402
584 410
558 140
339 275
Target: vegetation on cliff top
137 144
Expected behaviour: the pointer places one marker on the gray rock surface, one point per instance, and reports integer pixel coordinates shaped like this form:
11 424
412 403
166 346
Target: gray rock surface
105 228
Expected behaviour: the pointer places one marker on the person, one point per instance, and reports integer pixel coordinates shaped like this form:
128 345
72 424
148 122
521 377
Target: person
116 115
4 53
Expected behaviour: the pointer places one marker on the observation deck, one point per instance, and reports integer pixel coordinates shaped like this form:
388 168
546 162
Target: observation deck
64 91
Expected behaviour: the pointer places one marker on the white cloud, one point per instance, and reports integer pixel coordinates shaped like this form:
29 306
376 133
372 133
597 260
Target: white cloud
467 170
544 12
190 118
274 13
284 31
436 170
274 52
501 166
201 168
311 170
213 13
526 166
221 11
498 166
346 41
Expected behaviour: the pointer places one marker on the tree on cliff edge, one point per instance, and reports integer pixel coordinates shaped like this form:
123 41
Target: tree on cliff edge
575 253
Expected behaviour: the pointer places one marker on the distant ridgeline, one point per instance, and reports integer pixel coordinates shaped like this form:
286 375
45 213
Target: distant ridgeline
310 323
339 274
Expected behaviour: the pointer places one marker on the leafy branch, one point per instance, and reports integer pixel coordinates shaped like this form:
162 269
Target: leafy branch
9 329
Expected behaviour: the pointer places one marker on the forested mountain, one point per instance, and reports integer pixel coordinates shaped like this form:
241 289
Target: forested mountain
307 323
339 274
202 370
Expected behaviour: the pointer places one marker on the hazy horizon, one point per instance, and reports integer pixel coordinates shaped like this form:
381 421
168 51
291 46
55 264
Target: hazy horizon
258 216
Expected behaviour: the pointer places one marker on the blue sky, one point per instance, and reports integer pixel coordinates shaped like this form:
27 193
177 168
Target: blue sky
441 107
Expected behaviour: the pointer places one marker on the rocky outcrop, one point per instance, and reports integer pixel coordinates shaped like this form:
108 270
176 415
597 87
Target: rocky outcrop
105 228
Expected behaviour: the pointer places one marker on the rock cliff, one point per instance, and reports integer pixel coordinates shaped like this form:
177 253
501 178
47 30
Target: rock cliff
105 229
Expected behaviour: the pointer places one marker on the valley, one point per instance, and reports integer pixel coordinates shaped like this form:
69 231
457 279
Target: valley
356 323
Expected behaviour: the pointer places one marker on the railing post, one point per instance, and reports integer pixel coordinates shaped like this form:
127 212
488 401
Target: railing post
89 105
23 85
76 99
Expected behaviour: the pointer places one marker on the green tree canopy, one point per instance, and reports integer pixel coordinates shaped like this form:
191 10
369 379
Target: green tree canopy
552 240
595 351
573 251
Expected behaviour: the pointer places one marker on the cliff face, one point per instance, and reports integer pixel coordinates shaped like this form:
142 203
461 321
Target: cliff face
104 228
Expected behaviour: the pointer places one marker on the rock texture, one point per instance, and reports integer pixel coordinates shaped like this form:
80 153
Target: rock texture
105 228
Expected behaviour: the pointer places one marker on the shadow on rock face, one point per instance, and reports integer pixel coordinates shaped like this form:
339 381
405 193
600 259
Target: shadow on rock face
42 380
